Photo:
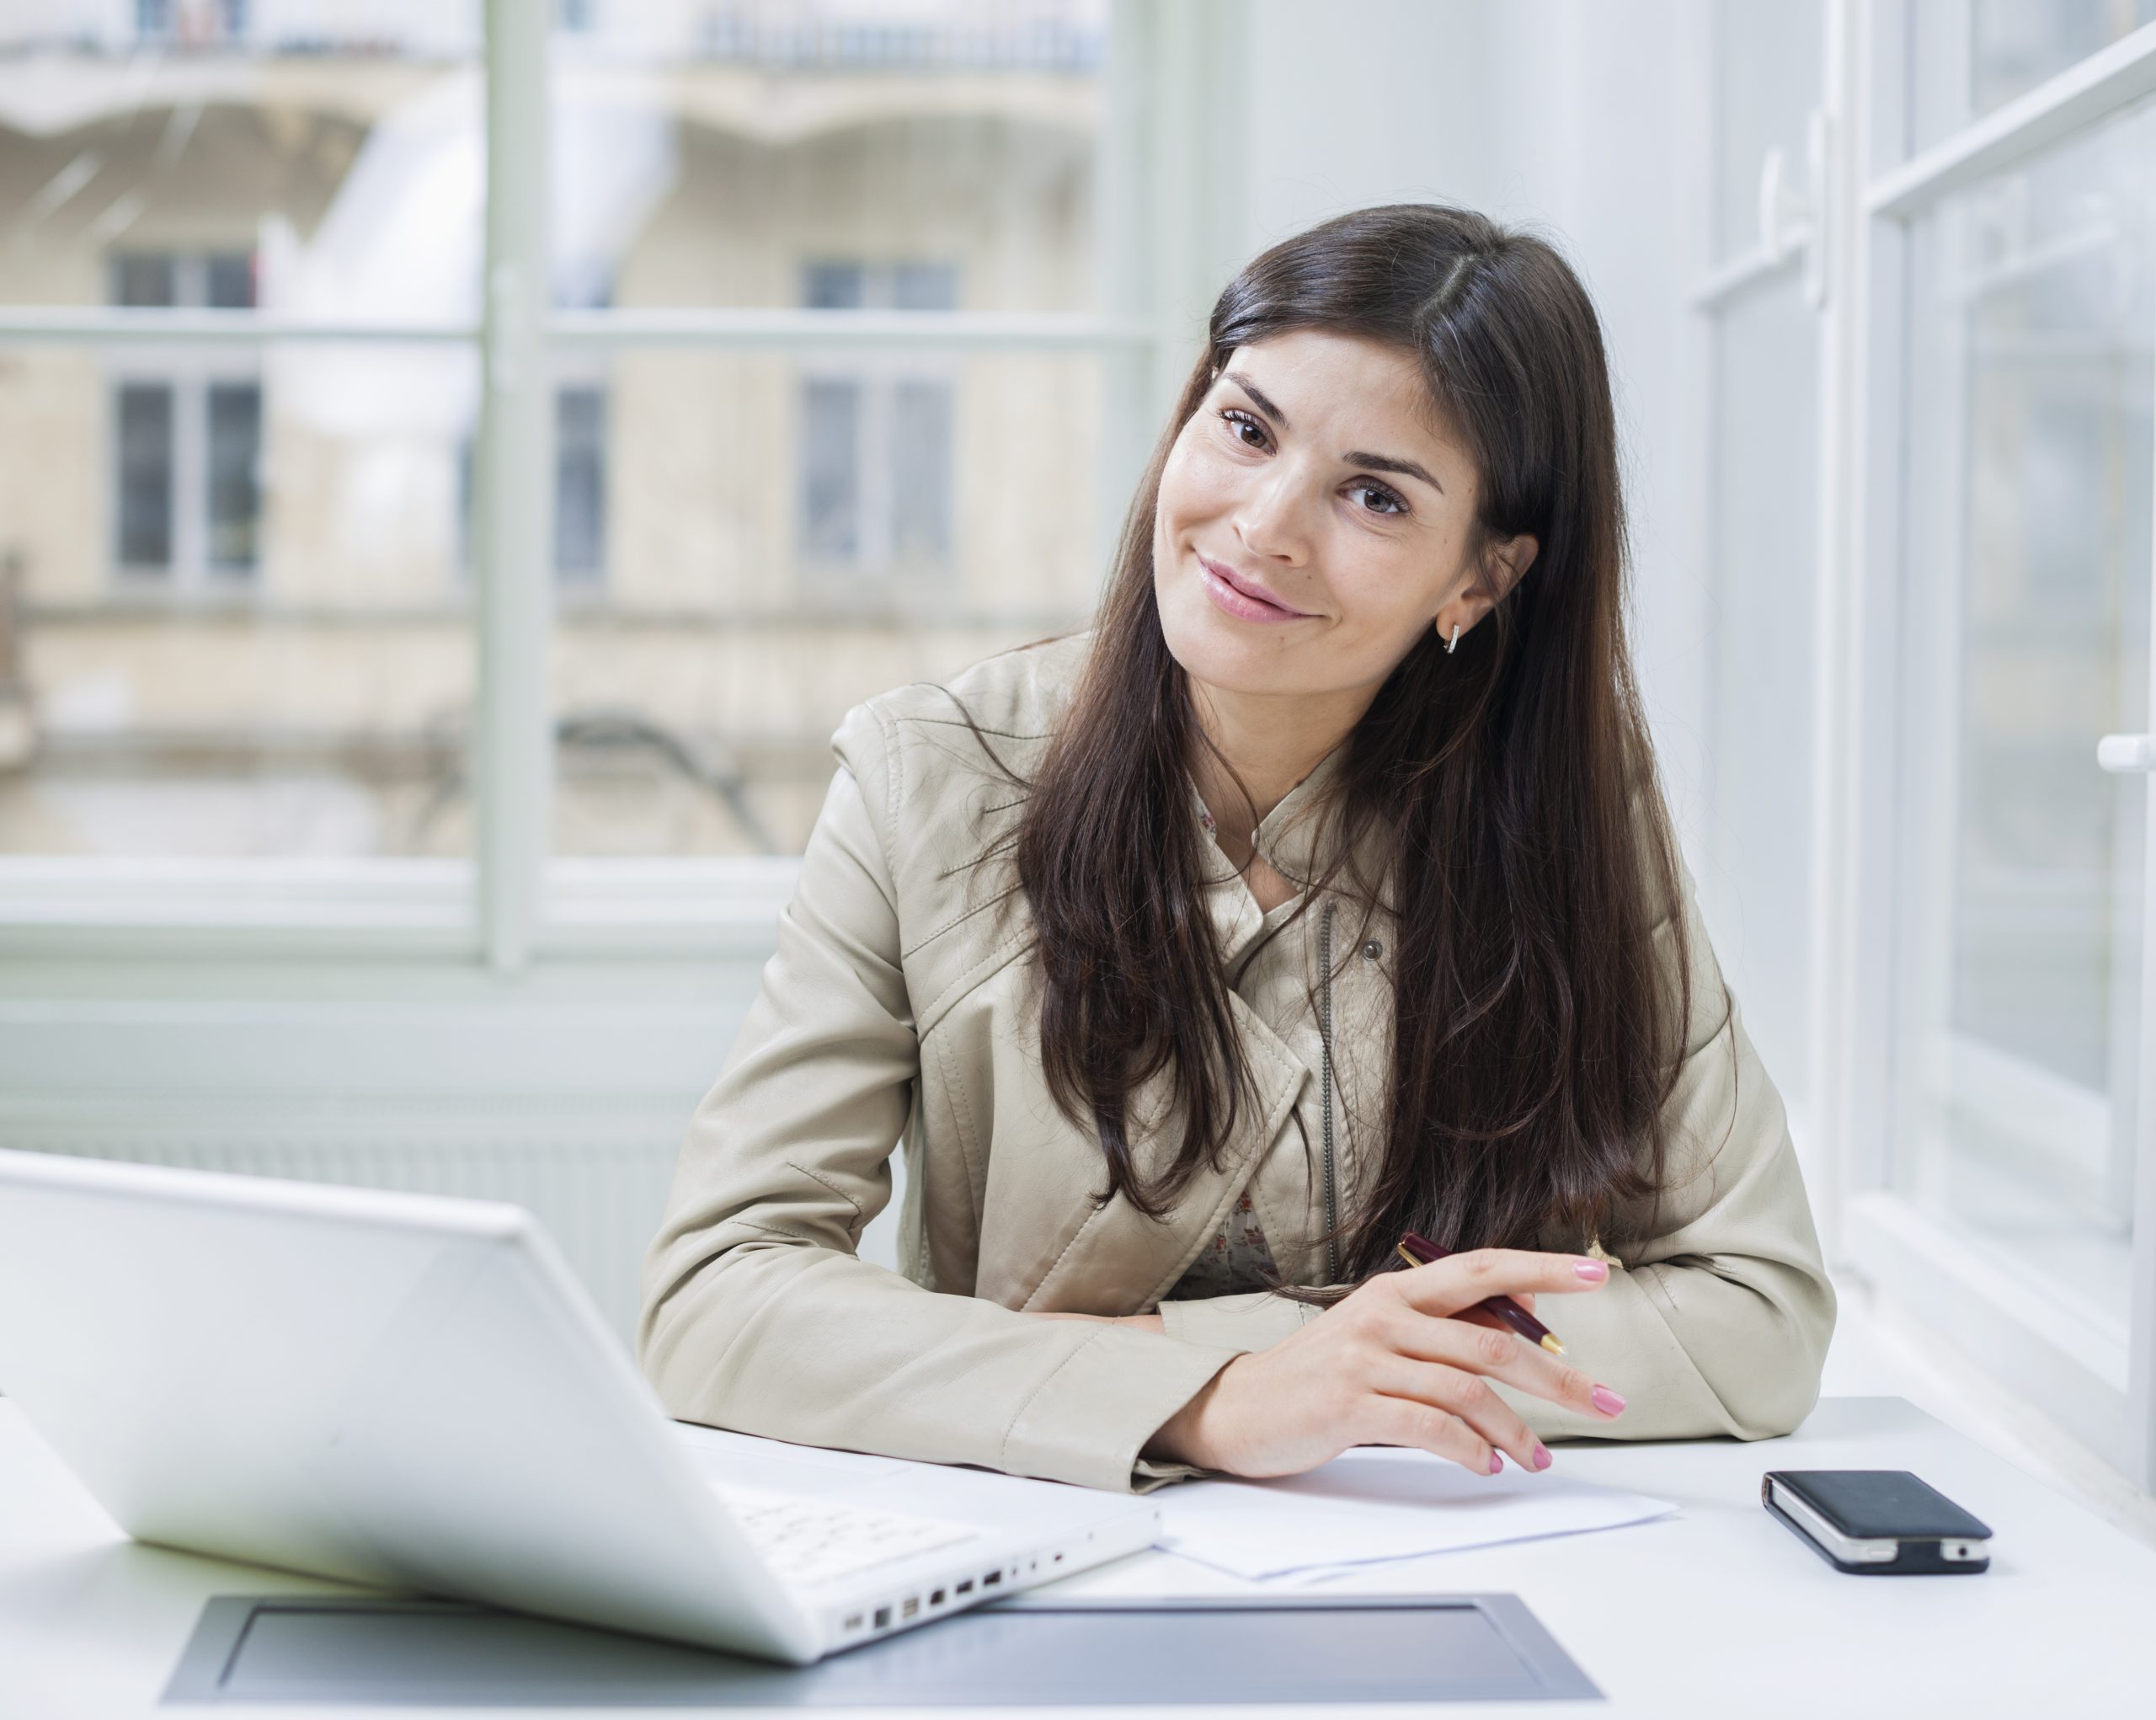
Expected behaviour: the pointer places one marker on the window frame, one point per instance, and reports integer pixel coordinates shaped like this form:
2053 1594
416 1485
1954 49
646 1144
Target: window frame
2098 1384
1162 223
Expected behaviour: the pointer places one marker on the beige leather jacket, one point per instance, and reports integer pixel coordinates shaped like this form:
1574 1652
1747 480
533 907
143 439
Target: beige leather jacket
899 1006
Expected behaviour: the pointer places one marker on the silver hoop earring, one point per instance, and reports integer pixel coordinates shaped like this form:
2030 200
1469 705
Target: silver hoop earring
1453 643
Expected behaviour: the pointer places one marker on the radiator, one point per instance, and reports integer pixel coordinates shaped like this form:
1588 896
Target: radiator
596 1179
598 1184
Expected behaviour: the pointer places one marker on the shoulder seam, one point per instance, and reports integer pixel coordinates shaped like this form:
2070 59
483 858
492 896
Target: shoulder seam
893 765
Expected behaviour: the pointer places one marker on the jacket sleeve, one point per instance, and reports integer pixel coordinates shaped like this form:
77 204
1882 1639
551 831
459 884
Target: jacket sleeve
757 1314
1718 1322
1252 1320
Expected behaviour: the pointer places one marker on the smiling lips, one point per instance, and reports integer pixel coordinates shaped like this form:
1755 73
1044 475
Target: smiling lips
1243 598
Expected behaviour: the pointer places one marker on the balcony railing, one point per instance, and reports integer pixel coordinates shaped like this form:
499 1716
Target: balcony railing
1066 36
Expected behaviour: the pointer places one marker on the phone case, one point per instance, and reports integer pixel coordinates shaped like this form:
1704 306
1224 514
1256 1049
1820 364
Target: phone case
1880 1504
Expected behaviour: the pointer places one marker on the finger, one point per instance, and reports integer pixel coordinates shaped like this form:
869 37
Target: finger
1488 1346
1460 1280
1482 1317
1468 1396
1407 1421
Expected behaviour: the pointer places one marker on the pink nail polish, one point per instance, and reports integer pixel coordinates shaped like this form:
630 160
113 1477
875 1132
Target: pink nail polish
1608 1401
1542 1458
1593 1271
1497 1461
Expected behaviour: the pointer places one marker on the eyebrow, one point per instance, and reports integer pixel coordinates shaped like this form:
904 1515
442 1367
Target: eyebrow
1374 462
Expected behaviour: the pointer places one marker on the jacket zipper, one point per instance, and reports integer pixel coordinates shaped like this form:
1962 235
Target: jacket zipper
1325 1084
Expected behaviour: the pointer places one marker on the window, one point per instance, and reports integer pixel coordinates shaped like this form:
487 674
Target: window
1968 58
876 440
187 436
580 489
191 21
1934 470
1934 474
2027 580
847 358
830 470
234 594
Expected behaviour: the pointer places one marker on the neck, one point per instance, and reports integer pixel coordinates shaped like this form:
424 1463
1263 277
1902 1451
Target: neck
1269 742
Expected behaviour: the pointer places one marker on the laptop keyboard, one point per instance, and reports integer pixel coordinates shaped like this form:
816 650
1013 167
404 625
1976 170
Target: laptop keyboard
809 1540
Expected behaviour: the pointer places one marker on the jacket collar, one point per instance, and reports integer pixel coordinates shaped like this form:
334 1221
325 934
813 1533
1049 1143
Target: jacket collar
1297 839
1296 836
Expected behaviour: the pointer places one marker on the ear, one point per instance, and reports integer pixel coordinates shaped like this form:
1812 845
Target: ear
1503 564
1506 562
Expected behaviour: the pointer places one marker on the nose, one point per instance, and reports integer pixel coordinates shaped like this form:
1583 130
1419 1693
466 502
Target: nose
1271 517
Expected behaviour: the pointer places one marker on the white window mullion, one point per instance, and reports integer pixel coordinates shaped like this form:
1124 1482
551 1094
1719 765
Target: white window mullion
512 761
2141 1379
1834 291
2069 104
1130 380
1869 858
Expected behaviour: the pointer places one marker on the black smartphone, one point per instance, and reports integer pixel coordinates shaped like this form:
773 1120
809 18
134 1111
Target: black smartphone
1877 1522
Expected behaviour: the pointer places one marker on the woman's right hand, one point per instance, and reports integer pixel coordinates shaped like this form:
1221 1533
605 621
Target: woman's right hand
1400 1360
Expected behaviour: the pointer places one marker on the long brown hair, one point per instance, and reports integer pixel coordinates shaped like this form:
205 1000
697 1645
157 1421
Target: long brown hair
1506 788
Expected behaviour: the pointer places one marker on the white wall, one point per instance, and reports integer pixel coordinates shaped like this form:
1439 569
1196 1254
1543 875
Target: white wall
1588 119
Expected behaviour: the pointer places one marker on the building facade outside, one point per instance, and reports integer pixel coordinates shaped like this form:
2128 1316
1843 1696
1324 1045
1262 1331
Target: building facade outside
236 603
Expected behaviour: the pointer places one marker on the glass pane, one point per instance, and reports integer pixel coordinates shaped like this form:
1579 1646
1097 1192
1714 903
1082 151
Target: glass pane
144 278
912 154
921 472
232 578
316 157
142 480
830 470
1767 61
229 281
580 482
1755 889
1969 56
2027 622
696 690
235 498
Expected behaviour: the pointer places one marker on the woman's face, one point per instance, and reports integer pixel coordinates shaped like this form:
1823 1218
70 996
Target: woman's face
1313 523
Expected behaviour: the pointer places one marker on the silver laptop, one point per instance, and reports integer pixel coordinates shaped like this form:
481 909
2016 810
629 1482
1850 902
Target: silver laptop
413 1391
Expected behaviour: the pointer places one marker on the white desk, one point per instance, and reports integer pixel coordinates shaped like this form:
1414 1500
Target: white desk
1720 1612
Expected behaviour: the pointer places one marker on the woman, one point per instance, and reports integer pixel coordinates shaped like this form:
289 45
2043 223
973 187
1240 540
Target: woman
1324 892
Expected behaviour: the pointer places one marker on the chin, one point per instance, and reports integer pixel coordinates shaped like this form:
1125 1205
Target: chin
1236 656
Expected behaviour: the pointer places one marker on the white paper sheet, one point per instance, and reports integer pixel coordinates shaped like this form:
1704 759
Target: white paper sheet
1378 1502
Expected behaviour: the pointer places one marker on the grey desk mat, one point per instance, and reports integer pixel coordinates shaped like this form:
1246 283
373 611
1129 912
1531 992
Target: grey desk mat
1075 1652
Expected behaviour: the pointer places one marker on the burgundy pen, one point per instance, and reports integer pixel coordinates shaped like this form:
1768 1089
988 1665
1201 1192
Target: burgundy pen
1421 1251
